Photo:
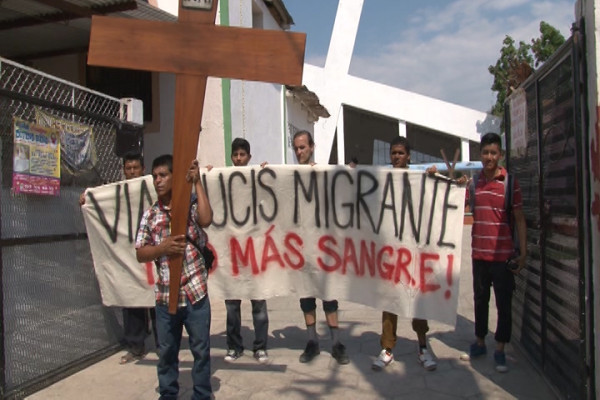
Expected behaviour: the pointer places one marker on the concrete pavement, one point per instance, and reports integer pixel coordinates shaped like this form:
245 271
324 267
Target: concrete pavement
323 378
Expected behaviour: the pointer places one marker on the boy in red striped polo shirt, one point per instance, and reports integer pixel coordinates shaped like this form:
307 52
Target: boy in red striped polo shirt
492 246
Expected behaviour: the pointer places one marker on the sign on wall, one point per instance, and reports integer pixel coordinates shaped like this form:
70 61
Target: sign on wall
518 123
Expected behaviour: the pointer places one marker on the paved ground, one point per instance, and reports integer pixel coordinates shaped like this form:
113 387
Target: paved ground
286 378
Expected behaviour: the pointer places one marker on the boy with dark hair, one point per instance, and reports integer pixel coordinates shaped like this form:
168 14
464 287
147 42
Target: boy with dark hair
155 243
492 246
240 156
400 158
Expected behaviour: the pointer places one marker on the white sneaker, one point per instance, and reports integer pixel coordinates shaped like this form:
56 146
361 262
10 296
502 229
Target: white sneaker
233 355
426 360
261 356
383 360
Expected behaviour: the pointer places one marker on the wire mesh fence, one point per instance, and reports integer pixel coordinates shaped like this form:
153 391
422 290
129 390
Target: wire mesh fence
52 316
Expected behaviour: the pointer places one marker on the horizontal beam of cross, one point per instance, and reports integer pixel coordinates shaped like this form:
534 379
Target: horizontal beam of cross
207 50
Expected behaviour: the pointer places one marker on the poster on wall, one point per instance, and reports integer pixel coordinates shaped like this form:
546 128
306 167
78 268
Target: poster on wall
36 159
77 142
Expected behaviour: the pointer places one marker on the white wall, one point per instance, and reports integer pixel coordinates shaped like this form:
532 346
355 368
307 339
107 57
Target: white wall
297 120
211 145
171 6
256 106
160 142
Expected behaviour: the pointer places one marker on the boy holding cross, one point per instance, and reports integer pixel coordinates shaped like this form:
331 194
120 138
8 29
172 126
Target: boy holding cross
155 243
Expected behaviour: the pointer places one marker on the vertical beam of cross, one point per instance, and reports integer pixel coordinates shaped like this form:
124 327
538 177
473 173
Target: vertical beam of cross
189 105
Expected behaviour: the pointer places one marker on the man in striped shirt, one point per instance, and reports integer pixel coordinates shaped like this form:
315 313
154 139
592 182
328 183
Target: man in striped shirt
492 247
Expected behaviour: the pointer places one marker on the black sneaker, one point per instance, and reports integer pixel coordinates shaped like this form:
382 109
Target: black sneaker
339 353
310 352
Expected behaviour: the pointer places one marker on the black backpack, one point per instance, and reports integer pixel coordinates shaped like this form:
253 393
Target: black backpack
207 253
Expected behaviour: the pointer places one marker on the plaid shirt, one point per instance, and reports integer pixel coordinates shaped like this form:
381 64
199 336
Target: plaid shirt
155 226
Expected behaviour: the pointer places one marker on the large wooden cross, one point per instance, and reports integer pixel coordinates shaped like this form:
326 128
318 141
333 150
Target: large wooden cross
194 48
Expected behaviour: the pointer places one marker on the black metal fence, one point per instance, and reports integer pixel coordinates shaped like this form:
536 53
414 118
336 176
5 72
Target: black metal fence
551 307
53 322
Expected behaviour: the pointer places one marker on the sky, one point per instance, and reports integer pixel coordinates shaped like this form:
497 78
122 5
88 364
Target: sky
437 48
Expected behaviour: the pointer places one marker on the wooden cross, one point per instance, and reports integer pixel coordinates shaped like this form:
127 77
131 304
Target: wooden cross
194 48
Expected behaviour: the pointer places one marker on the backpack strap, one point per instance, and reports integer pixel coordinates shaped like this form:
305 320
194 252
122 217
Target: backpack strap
509 188
472 193
509 183
508 195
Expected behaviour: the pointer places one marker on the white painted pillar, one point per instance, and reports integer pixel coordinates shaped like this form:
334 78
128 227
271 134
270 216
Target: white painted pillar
341 138
337 64
465 150
284 123
402 128
343 36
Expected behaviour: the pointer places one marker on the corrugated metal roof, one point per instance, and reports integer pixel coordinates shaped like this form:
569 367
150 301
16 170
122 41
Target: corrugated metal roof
309 100
280 13
33 28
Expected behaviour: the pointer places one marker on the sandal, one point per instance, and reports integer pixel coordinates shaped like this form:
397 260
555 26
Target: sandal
129 357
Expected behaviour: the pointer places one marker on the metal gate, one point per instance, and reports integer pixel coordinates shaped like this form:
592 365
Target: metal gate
550 309
52 319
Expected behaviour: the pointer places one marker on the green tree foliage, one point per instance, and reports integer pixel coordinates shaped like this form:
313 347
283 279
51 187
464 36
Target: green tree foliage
544 46
514 64
510 58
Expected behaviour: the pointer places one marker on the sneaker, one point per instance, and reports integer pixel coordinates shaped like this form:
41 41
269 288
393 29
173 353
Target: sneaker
233 355
426 360
500 360
310 352
129 357
475 350
261 356
384 359
339 353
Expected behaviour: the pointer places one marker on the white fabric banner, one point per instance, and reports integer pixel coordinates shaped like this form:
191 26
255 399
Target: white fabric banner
111 214
386 238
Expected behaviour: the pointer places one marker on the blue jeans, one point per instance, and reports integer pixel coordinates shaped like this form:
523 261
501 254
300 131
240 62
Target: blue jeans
196 319
260 318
